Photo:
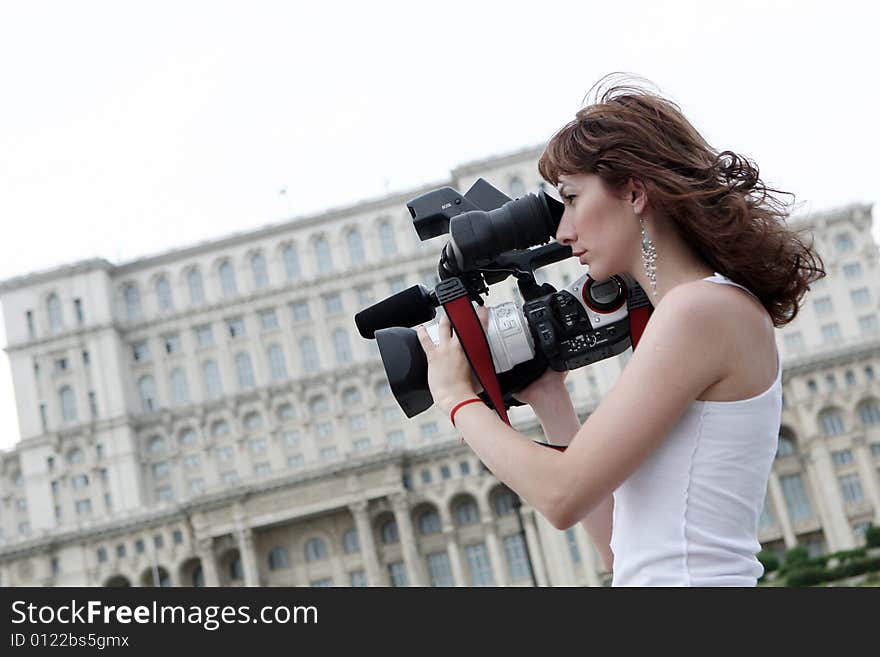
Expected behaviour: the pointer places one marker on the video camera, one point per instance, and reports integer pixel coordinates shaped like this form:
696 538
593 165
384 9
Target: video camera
491 238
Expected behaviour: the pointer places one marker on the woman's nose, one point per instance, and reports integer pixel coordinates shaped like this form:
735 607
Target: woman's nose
565 231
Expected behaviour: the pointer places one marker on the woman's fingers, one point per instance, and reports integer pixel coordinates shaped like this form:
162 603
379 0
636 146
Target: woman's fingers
425 340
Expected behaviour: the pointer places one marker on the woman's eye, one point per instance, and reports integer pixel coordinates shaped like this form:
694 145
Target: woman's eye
568 197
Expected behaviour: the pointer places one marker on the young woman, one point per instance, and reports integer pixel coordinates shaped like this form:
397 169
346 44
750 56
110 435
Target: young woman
669 473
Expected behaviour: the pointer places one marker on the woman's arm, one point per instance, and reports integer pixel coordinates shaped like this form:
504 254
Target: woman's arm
682 352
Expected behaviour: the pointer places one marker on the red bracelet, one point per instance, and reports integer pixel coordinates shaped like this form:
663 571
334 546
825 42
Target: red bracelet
459 405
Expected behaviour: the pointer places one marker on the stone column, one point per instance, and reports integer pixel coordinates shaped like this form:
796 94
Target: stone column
534 544
407 540
496 556
832 499
867 474
209 562
454 556
367 544
248 556
781 509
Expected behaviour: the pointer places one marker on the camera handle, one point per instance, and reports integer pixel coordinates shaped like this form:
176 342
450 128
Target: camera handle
454 298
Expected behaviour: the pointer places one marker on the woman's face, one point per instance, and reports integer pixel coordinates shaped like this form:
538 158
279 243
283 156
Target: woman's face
599 225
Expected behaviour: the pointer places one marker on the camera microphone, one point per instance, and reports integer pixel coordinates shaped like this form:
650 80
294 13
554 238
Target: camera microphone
413 306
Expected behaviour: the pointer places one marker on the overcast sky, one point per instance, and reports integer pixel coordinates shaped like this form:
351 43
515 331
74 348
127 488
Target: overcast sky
127 128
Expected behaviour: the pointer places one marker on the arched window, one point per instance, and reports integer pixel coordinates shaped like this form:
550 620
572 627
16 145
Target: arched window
316 549
429 522
53 307
318 405
219 428
245 370
187 437
76 456
163 294
277 367
132 302
155 445
389 532
342 346
504 503
68 404
179 387
323 256
350 542
517 189
356 253
869 412
278 558
253 421
260 271
785 447
227 280
467 513
386 239
291 262
213 383
351 396
196 288
286 412
147 390
831 422
309 355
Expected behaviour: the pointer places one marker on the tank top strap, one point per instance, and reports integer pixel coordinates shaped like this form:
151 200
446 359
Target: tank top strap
723 280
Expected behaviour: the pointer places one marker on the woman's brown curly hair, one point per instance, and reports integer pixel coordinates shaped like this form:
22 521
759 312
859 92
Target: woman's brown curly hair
716 200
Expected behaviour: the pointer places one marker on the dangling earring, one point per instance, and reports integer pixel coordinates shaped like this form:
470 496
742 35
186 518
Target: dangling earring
649 257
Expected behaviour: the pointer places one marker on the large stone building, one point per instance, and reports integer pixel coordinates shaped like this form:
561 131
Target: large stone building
209 415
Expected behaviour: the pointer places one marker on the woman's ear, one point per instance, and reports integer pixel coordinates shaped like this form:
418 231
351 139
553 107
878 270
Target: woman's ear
638 196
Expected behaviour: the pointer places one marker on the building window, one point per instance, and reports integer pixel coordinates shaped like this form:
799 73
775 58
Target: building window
291 438
32 331
342 346
68 404
332 303
350 542
83 507
78 311
389 532
860 297
517 563
869 412
277 367
794 341
219 428
785 447
196 288
386 239
260 271
850 378
357 422
163 295
328 453
351 396
192 461
504 503
211 375
80 481
831 422
102 555
397 570
796 498
394 438
53 307
295 461
364 294
868 324
159 541
573 549
842 457
268 319
140 351
179 387
397 284
286 413
478 564
227 280
278 558
235 326
244 370
429 522
262 469
323 256
204 336
44 420
291 262
258 446
852 270
229 477
361 445
132 303
356 254
76 456
869 373
464 468
172 343
445 472
300 310
316 549
831 333
358 578
160 470
318 405
823 306
428 430
165 494
517 188
439 570
812 387
467 513
851 486
147 390
60 365
843 242
831 382
309 355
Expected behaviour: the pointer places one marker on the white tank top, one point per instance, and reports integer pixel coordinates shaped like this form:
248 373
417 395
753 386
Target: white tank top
688 516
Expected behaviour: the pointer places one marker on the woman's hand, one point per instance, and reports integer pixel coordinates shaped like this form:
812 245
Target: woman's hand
550 385
450 378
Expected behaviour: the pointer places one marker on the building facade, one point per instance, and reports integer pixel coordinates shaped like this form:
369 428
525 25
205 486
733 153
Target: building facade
210 416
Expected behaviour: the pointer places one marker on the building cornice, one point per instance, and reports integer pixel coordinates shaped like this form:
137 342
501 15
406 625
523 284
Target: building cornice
73 269
514 157
844 355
